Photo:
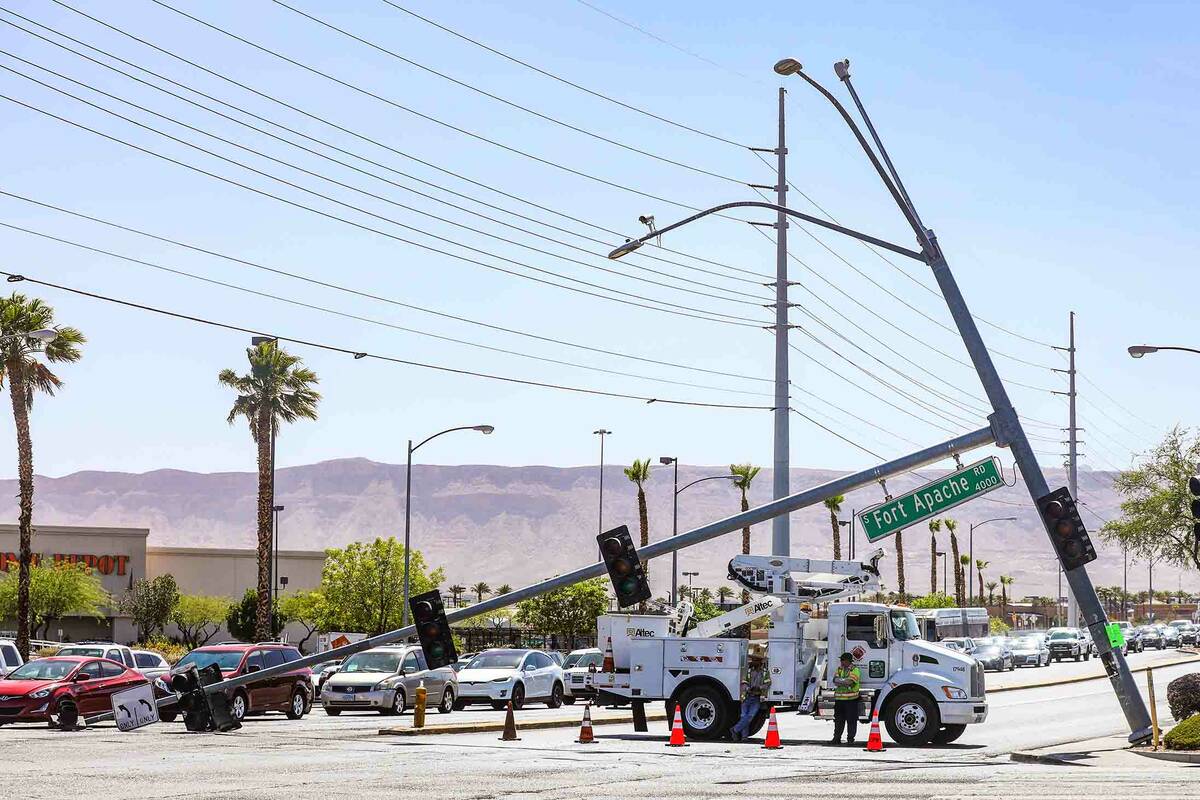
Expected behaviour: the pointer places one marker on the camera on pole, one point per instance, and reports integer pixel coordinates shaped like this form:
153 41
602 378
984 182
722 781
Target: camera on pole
624 567
1060 515
429 615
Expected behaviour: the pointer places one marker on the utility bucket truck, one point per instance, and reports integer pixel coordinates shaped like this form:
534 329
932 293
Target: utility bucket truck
925 693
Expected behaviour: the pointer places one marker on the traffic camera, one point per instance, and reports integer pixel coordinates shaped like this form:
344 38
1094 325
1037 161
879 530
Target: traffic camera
429 615
1060 515
624 567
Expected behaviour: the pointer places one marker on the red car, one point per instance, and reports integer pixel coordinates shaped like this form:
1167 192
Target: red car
37 691
290 692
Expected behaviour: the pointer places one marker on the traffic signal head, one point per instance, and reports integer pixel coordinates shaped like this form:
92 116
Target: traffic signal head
624 567
1194 490
429 615
1060 515
203 711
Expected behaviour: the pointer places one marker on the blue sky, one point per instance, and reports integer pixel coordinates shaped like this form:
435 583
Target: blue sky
1048 147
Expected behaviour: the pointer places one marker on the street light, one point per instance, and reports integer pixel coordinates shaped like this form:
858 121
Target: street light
1139 350
945 586
971 547
484 429
689 576
42 335
275 569
600 516
665 460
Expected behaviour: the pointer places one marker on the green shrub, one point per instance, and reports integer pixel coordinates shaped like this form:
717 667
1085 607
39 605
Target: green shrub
1185 735
998 627
45 652
169 650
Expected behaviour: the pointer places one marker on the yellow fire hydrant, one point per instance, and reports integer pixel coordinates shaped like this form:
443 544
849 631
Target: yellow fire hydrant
419 708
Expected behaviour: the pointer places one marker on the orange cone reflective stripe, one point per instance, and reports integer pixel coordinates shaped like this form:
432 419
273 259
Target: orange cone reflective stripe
875 740
772 741
677 738
585 727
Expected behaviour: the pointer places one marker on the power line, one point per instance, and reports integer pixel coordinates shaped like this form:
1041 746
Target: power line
324 121
382 298
14 277
365 159
498 98
563 80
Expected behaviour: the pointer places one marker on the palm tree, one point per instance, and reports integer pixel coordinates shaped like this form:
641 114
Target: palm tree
456 591
959 575
26 375
834 504
935 525
639 473
991 587
964 569
1006 581
277 389
980 566
900 565
480 589
503 588
743 475
723 594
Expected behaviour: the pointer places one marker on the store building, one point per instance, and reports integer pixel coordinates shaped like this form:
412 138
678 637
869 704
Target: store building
119 556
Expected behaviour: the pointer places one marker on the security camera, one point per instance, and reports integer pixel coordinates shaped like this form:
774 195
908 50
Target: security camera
842 69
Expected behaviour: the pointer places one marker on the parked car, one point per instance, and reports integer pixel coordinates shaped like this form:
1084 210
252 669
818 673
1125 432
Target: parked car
507 675
961 644
41 689
1031 651
289 692
995 655
1068 643
1171 636
463 660
1133 638
10 659
575 671
110 650
385 679
150 663
1150 636
1187 631
321 673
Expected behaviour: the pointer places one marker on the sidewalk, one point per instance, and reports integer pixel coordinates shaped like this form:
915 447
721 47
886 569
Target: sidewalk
1109 752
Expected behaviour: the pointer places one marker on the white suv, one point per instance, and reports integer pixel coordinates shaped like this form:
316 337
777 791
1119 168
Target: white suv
575 671
499 677
113 652
10 659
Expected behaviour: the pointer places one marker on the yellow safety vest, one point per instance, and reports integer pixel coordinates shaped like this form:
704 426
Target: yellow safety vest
847 692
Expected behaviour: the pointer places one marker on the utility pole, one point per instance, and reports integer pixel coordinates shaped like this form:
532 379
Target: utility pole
1072 454
781 537
600 516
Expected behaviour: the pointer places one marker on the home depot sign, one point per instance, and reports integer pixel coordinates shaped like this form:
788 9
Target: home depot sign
103 564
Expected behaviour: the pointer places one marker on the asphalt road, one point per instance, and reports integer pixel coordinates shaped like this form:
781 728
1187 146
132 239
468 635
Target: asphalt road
324 757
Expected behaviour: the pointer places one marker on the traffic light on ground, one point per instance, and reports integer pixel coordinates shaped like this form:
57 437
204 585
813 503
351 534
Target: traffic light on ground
203 711
624 566
429 615
1060 515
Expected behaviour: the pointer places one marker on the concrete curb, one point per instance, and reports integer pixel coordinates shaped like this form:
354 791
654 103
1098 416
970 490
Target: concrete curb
1170 755
1192 657
532 725
1034 758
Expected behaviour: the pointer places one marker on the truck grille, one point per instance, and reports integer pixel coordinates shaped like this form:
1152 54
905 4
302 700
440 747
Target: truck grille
977 687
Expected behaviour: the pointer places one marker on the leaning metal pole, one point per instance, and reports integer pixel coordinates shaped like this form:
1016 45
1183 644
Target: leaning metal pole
1010 433
930 455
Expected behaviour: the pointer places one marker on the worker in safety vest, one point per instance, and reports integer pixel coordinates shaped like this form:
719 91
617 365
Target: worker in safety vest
846 682
755 682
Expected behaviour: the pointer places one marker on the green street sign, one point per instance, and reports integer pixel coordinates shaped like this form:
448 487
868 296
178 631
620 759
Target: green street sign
1116 636
932 499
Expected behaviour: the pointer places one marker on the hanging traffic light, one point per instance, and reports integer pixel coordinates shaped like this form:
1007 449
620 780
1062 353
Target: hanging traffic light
1194 489
624 567
203 711
1061 518
429 615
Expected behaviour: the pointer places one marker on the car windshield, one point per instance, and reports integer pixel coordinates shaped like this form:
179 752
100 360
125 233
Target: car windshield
372 662
226 660
573 659
1063 635
904 626
90 652
1027 644
989 649
44 669
501 660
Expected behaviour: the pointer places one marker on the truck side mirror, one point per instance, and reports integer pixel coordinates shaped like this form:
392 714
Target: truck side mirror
880 631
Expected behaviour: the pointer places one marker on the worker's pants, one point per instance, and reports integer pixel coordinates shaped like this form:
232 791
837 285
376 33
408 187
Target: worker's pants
845 715
749 708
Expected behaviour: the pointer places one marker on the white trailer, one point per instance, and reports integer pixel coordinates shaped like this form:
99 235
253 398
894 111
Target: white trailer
942 623
924 693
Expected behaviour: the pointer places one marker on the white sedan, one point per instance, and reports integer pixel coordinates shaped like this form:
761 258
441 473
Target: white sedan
499 677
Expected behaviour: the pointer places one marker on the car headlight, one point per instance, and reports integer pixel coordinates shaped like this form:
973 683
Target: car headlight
954 693
159 683
501 680
40 693
386 683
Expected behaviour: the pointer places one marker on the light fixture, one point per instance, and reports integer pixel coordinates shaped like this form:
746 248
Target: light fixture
1139 350
788 66
485 429
625 249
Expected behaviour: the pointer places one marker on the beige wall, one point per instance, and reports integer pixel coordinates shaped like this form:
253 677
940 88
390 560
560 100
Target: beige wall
229 572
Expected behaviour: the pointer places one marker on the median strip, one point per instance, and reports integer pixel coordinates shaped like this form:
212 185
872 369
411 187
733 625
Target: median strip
498 725
1082 678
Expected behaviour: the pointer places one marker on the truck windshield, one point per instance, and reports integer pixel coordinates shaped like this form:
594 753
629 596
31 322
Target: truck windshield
904 626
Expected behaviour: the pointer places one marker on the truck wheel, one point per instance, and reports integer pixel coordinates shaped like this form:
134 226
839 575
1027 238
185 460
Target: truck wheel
948 734
912 719
705 712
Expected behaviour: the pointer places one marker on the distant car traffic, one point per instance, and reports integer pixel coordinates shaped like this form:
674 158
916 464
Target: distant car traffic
385 679
575 671
320 672
41 690
1031 651
289 692
995 654
961 644
150 663
509 675
1150 636
1068 643
1171 636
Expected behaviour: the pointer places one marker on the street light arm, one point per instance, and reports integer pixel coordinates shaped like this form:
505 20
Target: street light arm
709 478
448 430
633 244
1138 351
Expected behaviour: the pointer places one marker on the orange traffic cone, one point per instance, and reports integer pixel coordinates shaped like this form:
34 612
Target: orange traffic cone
609 665
677 739
585 727
772 741
510 727
875 740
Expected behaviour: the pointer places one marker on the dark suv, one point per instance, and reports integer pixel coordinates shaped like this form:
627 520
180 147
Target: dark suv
289 692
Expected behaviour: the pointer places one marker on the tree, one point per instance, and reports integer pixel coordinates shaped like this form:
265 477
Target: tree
308 609
198 618
744 474
991 587
964 570
55 591
568 611
277 389
27 375
834 504
480 589
150 603
980 566
363 584
503 589
703 606
960 583
456 592
639 473
723 594
933 600
1156 518
242 620
900 566
1006 582
935 525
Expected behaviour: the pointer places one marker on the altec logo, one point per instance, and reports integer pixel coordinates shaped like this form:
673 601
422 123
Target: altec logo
643 632
104 564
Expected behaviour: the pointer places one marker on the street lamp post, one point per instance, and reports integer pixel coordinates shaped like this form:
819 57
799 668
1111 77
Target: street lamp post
689 576
600 516
675 516
945 586
275 568
484 429
971 545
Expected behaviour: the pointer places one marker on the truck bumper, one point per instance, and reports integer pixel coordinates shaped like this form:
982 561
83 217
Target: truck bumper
963 713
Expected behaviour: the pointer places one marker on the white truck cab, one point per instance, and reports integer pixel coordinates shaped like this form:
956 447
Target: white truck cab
924 692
